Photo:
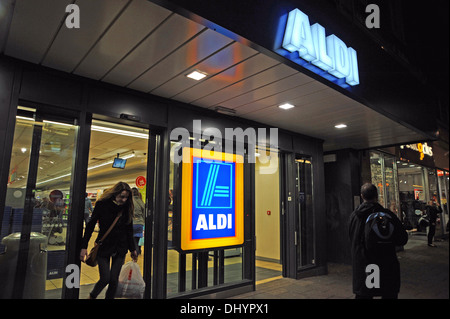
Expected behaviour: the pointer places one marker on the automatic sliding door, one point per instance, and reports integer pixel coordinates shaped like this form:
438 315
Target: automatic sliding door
119 153
35 219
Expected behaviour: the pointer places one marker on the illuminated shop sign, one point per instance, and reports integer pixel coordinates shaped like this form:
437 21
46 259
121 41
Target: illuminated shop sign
212 200
422 148
328 53
419 153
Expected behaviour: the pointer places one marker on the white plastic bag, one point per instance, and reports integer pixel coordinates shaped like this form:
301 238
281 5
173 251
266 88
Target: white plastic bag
131 284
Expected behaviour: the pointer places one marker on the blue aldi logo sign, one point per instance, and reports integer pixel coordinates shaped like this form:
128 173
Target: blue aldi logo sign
212 200
213 209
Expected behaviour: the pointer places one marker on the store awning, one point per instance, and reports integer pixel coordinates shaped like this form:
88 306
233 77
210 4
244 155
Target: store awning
142 46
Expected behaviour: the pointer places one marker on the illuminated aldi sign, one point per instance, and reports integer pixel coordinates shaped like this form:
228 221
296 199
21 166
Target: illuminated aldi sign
212 200
328 53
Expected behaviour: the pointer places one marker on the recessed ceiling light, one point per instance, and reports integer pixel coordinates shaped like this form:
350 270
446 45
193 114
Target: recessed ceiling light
340 126
286 106
196 75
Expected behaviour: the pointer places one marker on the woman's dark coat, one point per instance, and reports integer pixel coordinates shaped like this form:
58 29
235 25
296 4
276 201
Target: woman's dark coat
120 239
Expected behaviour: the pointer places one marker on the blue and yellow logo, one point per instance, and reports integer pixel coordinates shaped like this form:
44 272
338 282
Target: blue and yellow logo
212 200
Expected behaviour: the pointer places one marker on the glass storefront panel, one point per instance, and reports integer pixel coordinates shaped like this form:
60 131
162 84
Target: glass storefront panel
391 185
37 206
412 193
186 271
443 180
376 168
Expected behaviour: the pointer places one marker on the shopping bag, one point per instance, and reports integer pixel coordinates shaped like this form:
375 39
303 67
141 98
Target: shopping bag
131 284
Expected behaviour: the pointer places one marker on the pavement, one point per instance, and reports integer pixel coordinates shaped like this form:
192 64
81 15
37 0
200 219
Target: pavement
424 275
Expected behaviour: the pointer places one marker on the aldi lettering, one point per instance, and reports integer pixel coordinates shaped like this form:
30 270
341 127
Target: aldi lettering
329 53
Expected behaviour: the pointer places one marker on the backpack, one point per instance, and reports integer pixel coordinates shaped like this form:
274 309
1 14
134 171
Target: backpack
378 231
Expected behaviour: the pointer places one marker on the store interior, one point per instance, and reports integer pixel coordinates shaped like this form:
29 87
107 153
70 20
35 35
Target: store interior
409 187
108 142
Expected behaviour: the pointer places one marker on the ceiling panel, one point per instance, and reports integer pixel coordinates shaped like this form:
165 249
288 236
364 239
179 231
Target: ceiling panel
187 56
281 98
33 27
222 60
276 87
256 87
167 37
137 44
205 97
71 45
137 22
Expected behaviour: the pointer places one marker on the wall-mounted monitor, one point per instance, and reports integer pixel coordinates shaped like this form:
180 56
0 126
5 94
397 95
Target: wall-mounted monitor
119 163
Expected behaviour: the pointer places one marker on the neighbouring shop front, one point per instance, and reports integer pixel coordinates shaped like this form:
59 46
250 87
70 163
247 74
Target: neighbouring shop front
408 180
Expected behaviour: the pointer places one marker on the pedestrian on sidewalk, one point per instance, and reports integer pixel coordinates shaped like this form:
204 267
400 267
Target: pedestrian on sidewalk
432 210
374 233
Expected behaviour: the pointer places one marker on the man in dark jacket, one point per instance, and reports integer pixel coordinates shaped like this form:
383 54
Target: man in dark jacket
385 258
433 210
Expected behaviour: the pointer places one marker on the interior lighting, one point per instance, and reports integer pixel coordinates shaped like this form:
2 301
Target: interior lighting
89 168
24 118
57 123
197 75
340 126
118 132
286 106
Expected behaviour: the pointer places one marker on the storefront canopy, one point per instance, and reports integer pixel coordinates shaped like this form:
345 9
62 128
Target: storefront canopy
142 46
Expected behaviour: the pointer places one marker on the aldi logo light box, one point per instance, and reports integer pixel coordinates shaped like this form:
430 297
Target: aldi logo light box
212 197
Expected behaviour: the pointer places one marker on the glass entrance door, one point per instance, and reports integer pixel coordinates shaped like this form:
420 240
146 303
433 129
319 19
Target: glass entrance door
120 153
37 206
305 218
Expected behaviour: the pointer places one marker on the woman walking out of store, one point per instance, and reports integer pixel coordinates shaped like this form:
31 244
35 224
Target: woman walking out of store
114 201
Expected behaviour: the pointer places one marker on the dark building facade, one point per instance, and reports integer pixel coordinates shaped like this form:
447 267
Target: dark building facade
74 99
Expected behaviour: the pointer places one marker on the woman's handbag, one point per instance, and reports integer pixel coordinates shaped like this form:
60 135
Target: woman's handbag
91 259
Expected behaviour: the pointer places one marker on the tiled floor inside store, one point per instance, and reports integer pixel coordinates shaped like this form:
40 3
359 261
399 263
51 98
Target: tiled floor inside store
265 272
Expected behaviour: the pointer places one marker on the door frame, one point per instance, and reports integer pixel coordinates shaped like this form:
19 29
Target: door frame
289 223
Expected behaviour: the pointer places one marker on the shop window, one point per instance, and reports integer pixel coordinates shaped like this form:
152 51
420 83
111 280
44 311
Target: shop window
443 180
376 168
391 185
384 176
189 271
